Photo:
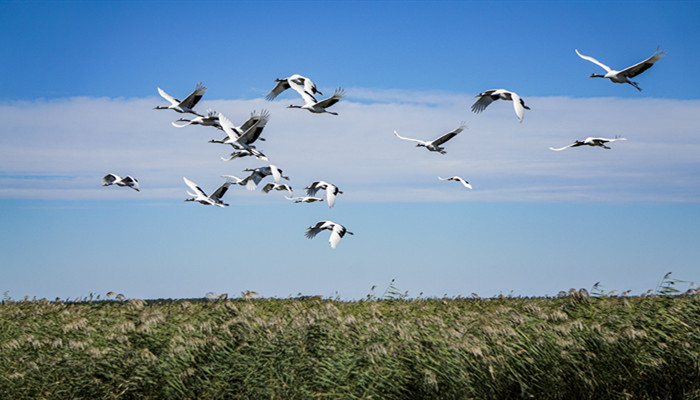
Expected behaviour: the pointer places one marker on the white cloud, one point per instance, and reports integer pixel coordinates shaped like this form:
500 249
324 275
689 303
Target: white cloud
60 149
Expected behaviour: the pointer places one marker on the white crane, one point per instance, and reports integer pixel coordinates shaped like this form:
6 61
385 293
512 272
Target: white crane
492 95
331 191
184 106
127 181
199 196
252 120
630 72
434 145
252 152
337 231
297 82
590 141
319 107
277 186
457 179
242 140
211 119
257 174
304 199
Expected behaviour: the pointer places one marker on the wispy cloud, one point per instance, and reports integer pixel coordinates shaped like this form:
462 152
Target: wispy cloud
60 149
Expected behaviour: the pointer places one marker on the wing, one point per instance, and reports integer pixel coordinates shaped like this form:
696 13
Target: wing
266 189
131 182
310 87
484 100
168 97
339 94
254 117
281 86
337 232
594 61
286 187
232 178
457 179
565 147
109 179
221 191
255 127
409 139
638 68
276 173
312 189
260 156
194 97
463 182
194 187
307 95
181 126
252 181
331 192
601 140
236 154
228 127
518 106
449 135
312 232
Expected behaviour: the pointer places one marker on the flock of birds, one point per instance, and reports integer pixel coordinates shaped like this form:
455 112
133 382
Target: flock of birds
242 139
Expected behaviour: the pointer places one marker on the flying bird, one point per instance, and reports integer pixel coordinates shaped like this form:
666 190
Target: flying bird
629 72
457 179
199 196
127 181
297 82
184 106
252 120
590 141
492 95
319 107
277 186
242 138
434 145
211 119
257 174
337 231
331 191
245 153
304 199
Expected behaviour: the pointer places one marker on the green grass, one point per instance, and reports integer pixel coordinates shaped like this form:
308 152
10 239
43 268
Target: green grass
569 347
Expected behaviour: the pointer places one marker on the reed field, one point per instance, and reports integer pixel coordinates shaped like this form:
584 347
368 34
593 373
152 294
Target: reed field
573 346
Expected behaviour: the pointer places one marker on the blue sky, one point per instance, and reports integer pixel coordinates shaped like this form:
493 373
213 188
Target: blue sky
78 83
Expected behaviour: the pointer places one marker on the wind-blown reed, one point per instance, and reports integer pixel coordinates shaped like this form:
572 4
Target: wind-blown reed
572 347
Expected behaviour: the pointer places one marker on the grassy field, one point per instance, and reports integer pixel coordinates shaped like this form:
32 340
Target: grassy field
570 347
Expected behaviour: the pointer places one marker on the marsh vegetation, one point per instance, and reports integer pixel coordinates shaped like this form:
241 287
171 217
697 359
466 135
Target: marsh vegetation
574 346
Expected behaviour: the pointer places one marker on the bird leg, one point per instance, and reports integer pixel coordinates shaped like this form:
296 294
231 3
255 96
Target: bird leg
635 85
